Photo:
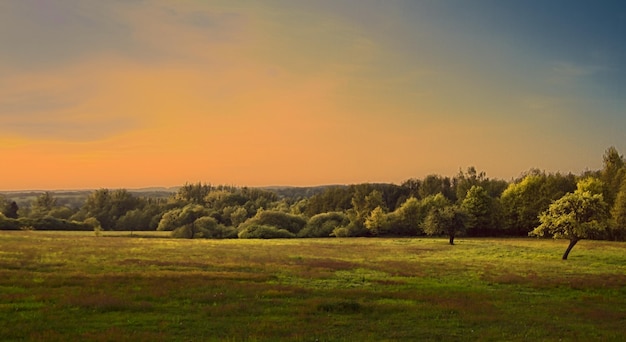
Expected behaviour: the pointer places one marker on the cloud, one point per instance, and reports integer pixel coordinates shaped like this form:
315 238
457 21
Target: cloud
59 105
44 34
36 34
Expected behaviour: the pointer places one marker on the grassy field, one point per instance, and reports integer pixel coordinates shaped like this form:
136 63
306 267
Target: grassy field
75 286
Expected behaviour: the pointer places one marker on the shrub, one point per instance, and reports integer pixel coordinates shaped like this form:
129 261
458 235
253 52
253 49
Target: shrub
183 232
351 230
50 223
208 227
276 219
323 225
9 223
259 231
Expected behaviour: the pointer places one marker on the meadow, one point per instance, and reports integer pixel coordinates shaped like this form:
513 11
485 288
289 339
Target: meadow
61 286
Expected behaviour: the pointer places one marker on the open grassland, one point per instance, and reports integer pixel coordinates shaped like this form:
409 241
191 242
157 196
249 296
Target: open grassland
75 286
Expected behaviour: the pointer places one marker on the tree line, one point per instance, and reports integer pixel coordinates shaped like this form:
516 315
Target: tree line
468 203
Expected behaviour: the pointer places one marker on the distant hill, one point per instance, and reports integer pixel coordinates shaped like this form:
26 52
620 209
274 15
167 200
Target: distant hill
77 198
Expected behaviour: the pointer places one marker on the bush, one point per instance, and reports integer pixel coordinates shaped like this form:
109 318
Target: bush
9 223
259 231
208 227
323 225
183 232
53 223
43 223
351 230
276 219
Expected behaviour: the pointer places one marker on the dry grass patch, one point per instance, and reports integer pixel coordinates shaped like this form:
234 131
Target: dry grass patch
573 281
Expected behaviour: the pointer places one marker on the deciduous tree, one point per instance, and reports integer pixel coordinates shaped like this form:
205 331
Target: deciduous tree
523 201
617 229
377 222
43 204
575 216
613 171
406 220
479 208
449 220
322 225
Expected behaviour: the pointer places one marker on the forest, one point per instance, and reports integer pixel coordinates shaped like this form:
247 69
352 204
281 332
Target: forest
590 205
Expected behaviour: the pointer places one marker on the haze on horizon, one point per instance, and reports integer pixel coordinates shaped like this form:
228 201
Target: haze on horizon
132 94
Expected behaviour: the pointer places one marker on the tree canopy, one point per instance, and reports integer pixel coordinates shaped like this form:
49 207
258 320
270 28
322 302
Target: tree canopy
591 205
575 216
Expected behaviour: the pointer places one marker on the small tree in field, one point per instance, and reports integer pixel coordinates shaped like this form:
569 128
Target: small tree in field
575 216
450 220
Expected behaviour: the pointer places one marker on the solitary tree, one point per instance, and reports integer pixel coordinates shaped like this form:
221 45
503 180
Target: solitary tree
449 220
575 216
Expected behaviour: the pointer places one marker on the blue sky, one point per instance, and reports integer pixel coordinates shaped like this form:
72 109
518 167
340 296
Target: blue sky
143 93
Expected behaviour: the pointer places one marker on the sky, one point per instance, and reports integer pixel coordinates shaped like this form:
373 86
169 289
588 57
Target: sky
132 94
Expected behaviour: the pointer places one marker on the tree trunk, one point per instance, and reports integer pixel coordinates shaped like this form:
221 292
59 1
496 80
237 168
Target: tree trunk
572 242
452 239
191 231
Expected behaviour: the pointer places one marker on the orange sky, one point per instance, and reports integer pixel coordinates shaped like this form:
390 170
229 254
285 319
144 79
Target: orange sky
162 93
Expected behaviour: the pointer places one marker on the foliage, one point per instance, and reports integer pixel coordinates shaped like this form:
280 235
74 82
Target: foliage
435 184
208 227
323 225
7 223
617 229
437 201
377 222
332 199
261 231
52 223
237 215
479 207
612 173
363 203
407 219
193 193
43 204
524 200
449 220
182 221
108 206
493 207
465 181
277 219
575 216
351 230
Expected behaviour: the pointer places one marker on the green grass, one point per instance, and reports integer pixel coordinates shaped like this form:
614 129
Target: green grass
75 286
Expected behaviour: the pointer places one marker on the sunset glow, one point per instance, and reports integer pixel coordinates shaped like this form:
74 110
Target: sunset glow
136 94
